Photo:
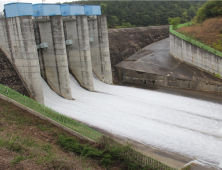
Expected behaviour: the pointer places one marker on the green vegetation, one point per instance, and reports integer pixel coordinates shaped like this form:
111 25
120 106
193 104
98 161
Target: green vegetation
108 156
206 30
217 75
218 44
26 140
121 14
209 10
174 21
15 116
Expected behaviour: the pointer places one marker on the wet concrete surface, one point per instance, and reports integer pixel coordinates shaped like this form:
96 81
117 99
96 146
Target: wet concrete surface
156 59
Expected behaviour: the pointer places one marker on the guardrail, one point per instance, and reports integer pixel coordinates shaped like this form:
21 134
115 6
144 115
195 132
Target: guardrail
192 41
130 154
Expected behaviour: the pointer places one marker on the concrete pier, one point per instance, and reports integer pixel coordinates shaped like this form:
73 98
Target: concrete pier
53 58
23 53
99 47
79 57
4 44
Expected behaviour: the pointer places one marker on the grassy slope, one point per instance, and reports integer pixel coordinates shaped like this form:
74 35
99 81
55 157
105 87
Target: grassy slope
208 32
27 142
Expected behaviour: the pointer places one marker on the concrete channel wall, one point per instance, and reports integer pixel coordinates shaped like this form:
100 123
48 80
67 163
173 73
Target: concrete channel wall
195 55
142 78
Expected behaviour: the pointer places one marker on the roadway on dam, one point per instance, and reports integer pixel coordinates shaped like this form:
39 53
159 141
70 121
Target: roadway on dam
188 127
156 59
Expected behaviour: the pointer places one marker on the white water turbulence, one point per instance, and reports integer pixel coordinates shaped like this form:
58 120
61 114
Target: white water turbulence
173 123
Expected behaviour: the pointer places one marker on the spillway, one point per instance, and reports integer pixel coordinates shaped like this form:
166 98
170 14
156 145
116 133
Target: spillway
184 125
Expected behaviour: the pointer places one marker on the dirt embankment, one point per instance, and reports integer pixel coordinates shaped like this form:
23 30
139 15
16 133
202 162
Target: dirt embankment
28 142
9 77
127 41
209 32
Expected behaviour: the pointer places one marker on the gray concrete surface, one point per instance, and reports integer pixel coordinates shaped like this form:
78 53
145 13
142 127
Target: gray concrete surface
154 65
195 55
4 43
79 57
99 48
23 53
124 42
53 59
105 63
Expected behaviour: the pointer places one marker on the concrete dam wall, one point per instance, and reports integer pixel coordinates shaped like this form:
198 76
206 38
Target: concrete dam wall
51 45
125 42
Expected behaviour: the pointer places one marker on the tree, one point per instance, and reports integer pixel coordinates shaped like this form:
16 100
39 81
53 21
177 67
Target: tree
208 10
184 18
112 21
191 12
103 8
174 21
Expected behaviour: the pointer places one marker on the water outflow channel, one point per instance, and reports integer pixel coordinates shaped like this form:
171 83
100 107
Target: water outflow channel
184 125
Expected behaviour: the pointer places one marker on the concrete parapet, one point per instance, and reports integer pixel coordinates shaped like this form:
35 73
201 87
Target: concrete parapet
23 53
195 55
79 57
99 47
53 58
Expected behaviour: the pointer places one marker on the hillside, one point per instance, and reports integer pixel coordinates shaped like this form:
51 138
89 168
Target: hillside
27 142
209 32
122 14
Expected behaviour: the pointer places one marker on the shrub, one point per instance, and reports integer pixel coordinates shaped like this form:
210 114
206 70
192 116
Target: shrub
217 75
174 21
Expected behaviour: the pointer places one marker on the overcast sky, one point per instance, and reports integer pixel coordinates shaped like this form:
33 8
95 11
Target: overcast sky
2 2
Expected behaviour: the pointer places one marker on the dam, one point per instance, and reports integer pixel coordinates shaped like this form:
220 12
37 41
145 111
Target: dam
68 62
49 40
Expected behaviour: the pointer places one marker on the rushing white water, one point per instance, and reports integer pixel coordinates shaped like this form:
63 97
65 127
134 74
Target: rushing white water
179 124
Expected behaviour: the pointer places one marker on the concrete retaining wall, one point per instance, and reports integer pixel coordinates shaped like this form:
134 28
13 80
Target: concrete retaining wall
195 55
135 77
